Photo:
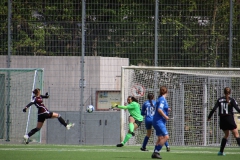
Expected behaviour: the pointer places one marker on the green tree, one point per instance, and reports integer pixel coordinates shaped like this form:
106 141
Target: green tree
191 32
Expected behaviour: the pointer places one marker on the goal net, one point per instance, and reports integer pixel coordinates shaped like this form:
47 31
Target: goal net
192 93
16 86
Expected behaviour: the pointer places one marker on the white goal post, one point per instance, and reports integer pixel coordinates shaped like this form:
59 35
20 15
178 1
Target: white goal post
16 89
193 92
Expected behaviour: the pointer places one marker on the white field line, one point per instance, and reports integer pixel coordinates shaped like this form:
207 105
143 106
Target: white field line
114 150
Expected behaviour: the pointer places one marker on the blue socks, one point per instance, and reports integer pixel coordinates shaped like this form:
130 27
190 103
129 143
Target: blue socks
166 144
157 148
145 141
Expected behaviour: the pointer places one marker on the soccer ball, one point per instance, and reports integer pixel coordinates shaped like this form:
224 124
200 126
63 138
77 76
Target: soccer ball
90 108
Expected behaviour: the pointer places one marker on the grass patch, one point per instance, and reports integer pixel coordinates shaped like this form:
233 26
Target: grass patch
78 152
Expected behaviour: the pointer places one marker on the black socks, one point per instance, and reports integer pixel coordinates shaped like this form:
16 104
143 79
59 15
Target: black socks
61 120
223 144
238 141
33 131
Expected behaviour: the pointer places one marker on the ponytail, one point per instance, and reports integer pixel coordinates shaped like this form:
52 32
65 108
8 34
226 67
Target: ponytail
150 98
227 92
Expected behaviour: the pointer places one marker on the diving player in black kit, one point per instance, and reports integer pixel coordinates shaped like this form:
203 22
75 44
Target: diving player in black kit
43 113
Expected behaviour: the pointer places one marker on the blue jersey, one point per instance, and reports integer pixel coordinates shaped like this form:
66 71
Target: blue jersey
162 105
148 110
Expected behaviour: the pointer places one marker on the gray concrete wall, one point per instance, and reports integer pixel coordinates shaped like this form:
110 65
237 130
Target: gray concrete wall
99 128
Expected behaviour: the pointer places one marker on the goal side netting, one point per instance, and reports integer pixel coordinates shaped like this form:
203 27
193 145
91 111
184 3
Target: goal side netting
16 86
192 93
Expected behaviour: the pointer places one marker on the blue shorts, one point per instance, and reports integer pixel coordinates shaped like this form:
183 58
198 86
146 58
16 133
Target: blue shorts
161 129
148 124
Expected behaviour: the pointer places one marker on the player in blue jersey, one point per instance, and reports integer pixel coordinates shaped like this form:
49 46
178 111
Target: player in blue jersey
225 107
159 122
148 110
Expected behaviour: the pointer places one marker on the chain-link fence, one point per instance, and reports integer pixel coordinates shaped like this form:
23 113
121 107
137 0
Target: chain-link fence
189 33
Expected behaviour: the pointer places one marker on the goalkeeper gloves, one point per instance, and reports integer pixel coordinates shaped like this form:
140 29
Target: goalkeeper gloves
115 106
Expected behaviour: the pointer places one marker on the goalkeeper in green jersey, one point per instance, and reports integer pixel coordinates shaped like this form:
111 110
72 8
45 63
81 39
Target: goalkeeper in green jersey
135 119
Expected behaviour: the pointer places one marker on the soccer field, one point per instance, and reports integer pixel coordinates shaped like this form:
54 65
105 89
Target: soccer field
74 152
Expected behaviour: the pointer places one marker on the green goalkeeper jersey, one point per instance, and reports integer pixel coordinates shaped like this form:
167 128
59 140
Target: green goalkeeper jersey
134 110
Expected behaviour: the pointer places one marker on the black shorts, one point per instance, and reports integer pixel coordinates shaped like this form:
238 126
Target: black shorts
137 122
227 123
42 117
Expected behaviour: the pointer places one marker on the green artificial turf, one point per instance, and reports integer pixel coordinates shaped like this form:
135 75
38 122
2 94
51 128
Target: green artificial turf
82 152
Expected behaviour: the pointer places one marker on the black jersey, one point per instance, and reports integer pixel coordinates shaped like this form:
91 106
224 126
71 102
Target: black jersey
224 109
38 102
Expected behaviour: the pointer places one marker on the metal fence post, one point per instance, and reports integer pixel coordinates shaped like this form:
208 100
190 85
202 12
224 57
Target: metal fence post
82 69
230 33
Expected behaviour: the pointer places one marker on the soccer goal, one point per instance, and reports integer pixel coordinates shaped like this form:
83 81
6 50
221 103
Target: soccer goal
16 86
192 94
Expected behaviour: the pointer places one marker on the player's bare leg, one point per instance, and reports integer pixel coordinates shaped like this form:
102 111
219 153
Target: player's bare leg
236 135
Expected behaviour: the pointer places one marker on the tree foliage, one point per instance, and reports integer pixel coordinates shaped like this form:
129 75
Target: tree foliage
190 33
